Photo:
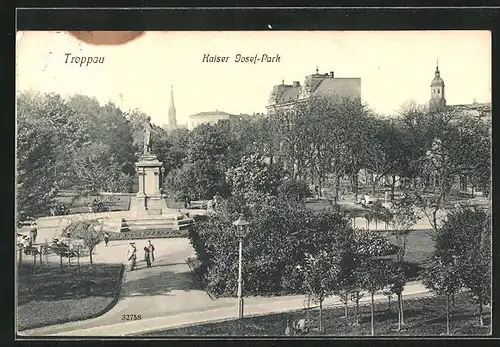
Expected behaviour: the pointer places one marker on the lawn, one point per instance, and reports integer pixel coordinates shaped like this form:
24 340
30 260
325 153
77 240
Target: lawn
423 317
53 296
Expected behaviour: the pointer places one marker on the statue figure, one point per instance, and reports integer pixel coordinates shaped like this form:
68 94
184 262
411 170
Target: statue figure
147 136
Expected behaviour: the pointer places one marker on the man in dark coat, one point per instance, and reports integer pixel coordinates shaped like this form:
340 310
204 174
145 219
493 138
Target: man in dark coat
151 250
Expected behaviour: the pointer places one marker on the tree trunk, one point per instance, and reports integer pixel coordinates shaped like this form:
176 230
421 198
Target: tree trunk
356 187
376 224
20 257
481 322
389 298
34 262
447 314
346 309
373 185
60 260
78 262
373 330
40 254
90 252
357 311
393 187
337 188
321 315
434 220
401 309
399 312
453 300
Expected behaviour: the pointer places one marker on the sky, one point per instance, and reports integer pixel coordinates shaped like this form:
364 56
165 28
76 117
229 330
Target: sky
394 66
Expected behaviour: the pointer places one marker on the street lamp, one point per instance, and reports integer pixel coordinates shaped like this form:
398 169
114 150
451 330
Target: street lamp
242 227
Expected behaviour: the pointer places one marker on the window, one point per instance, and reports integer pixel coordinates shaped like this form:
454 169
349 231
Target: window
438 91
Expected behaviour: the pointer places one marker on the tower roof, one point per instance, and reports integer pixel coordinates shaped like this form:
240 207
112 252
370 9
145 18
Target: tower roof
172 97
437 81
172 121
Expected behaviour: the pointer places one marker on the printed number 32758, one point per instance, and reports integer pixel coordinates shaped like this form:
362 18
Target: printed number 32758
131 317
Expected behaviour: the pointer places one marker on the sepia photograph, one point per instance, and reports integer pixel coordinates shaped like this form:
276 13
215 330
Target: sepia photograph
253 183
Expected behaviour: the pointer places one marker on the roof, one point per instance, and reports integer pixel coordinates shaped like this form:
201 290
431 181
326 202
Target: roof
210 114
437 81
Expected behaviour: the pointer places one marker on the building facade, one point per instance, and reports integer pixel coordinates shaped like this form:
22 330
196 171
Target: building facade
315 85
212 117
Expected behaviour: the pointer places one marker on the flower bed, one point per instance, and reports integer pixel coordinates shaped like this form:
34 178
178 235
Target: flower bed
148 234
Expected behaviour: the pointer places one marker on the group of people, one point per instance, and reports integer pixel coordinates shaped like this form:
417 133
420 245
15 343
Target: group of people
149 255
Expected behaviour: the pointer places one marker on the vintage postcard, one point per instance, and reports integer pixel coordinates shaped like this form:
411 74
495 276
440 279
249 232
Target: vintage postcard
253 183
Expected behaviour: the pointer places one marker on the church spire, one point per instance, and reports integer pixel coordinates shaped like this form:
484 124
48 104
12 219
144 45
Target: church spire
438 100
172 97
172 121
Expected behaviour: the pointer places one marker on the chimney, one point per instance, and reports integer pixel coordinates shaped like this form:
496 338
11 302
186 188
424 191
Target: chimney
296 83
331 74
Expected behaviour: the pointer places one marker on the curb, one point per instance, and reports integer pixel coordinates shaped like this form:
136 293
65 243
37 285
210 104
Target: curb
106 308
415 296
189 262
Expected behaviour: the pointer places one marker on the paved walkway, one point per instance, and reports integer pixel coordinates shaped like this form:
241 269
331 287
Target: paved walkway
166 296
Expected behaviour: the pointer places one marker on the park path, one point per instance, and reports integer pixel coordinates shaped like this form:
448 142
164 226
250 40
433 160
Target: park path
166 296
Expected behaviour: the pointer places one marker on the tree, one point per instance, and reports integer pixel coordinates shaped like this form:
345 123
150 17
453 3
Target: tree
319 272
39 122
404 216
458 145
375 279
281 233
384 155
294 190
442 277
90 231
466 237
397 281
254 175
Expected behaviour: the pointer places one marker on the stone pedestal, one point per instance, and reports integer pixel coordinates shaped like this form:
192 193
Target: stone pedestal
149 198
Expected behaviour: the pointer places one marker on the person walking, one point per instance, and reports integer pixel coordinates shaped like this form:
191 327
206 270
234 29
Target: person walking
106 239
132 256
151 250
147 256
288 329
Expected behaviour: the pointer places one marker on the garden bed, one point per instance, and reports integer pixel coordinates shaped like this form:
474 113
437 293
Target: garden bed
53 296
423 317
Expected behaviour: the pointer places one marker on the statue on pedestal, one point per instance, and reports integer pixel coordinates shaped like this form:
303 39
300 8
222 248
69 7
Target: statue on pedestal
147 136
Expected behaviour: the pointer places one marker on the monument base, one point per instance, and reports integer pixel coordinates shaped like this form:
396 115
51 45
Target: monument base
148 206
148 210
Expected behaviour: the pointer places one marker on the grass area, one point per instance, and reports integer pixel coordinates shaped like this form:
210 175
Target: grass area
148 234
53 296
423 317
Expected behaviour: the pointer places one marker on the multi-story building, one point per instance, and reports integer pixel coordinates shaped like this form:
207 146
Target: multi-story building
212 117
315 85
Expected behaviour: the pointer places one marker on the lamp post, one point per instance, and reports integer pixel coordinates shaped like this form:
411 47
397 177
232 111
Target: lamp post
242 227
